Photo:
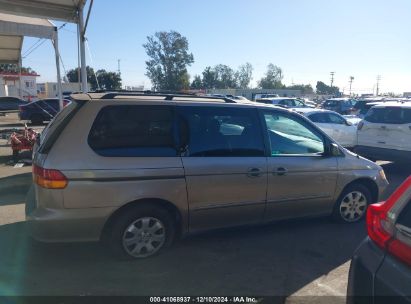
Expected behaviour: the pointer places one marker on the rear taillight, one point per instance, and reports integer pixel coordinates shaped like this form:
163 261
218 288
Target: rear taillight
360 125
49 178
381 229
377 225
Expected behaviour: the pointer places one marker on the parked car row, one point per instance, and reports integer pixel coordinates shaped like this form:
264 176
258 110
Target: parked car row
10 103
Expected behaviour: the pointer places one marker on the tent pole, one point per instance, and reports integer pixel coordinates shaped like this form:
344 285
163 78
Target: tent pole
59 85
82 52
20 84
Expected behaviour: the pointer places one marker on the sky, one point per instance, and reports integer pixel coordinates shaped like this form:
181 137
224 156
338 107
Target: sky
308 39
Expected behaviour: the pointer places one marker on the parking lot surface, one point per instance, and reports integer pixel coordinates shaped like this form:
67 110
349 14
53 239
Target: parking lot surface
294 259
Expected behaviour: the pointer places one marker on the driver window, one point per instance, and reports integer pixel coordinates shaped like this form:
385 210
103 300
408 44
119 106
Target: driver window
289 136
336 119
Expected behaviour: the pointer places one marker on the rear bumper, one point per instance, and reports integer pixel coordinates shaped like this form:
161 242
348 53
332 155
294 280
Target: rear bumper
65 225
383 153
376 277
364 265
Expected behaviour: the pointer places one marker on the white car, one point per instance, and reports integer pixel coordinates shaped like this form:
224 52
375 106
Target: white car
385 132
285 102
333 124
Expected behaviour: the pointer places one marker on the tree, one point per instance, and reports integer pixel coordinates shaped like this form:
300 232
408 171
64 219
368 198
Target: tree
272 78
105 80
225 77
197 83
305 89
14 68
169 58
323 89
209 78
109 80
244 75
73 76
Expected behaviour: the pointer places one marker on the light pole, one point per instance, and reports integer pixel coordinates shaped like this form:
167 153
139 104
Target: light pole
351 79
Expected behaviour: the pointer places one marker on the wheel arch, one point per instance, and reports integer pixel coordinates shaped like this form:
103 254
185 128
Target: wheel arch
160 203
369 184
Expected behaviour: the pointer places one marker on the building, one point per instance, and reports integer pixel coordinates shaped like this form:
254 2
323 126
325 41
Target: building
49 89
135 88
18 85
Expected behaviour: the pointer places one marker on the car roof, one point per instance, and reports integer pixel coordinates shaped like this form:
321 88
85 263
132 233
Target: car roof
338 99
307 111
400 104
155 98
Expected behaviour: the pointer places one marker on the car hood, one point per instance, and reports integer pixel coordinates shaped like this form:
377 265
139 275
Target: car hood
355 161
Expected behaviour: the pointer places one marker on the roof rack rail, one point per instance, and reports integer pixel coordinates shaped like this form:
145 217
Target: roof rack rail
168 95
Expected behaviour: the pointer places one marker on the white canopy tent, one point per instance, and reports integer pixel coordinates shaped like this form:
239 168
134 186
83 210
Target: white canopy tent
12 31
64 10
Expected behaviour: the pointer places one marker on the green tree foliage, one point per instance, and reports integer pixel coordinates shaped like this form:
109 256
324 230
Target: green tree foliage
324 89
106 80
244 75
225 76
197 83
109 80
222 76
14 68
304 88
73 76
169 58
272 78
209 78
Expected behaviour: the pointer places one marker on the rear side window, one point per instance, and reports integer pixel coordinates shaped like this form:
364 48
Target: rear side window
220 132
56 126
133 131
318 118
389 115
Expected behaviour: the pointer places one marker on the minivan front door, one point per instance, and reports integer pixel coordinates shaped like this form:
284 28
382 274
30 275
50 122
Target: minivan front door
225 165
301 180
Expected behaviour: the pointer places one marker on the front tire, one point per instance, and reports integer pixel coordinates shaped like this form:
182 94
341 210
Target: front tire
141 232
352 204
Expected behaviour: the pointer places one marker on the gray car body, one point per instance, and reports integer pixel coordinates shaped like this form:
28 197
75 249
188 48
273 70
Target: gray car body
204 192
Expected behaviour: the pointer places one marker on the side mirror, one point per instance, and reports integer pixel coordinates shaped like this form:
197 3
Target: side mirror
334 150
348 123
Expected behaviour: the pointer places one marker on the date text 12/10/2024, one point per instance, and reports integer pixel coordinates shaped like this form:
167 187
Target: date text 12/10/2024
203 300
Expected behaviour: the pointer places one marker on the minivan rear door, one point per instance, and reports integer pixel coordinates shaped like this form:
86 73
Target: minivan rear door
225 165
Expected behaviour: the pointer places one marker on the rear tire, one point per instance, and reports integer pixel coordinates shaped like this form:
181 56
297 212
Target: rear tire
141 232
352 204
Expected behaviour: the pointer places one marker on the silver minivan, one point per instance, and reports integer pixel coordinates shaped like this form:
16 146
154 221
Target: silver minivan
136 171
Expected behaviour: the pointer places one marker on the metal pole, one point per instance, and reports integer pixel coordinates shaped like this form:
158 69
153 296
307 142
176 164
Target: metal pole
59 85
20 84
84 87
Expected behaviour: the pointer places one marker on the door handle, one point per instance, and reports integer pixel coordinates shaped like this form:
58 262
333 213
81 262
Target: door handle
254 172
280 171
